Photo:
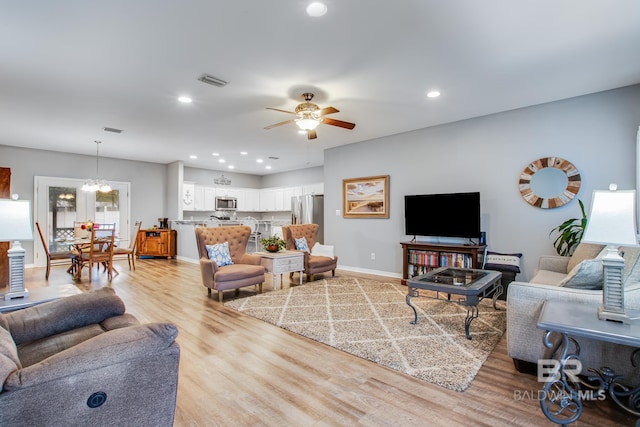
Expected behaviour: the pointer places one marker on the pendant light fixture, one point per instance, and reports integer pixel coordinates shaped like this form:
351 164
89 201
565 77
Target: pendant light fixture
97 184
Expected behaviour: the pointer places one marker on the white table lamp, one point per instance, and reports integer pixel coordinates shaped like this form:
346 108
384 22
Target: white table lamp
612 222
15 225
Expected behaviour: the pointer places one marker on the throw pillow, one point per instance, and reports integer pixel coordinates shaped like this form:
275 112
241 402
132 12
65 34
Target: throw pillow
301 244
586 275
503 262
220 254
9 360
322 250
582 252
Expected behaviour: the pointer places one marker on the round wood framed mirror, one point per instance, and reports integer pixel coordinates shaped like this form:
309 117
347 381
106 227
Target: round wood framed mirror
549 182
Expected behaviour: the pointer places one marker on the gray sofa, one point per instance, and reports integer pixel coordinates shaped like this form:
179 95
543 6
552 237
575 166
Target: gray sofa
82 361
525 301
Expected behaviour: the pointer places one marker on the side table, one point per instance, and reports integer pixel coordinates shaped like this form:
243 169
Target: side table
563 392
39 296
282 262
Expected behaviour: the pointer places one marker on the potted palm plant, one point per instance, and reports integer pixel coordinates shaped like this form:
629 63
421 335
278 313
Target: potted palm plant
273 244
569 233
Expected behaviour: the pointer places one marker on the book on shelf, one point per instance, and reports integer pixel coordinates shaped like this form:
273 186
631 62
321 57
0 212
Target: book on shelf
429 258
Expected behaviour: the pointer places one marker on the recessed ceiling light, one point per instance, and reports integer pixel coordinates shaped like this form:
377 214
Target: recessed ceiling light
259 160
231 167
215 154
222 161
316 9
193 156
185 100
433 94
267 167
244 153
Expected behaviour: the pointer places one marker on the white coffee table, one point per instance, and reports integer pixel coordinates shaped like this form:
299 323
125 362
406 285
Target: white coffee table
282 262
39 296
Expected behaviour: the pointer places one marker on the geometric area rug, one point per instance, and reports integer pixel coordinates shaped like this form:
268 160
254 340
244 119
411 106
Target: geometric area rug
370 319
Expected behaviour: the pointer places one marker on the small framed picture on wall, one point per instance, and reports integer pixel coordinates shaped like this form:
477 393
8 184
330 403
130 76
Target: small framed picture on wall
366 197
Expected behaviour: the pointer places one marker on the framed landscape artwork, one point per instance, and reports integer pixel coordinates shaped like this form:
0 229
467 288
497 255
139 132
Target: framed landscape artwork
365 197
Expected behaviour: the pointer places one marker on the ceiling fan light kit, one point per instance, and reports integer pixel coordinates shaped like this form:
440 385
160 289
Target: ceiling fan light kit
309 116
308 121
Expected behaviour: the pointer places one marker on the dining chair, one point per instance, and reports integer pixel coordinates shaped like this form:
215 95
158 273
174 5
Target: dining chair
255 234
57 256
100 250
131 250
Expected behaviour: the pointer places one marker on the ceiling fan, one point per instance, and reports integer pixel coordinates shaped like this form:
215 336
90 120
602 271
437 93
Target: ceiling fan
309 116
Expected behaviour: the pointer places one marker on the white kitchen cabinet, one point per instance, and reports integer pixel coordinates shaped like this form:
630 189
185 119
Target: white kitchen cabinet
317 188
267 200
188 189
209 198
198 198
279 199
222 191
250 200
290 192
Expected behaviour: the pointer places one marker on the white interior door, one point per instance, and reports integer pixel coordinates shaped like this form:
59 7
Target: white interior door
59 202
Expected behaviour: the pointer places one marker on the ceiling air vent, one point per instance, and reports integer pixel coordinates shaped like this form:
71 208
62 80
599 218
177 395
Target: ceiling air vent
114 130
206 78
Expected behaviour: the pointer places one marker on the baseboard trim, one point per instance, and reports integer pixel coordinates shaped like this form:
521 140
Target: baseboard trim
186 259
369 271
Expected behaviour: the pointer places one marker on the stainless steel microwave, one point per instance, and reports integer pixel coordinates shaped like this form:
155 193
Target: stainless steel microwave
226 203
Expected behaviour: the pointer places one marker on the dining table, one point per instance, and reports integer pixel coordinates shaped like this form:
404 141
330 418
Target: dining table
81 245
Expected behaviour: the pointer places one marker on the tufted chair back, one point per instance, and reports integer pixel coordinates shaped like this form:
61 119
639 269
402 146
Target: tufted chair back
237 236
296 231
312 264
246 269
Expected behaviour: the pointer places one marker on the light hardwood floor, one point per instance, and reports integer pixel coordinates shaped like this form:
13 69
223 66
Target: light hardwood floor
238 371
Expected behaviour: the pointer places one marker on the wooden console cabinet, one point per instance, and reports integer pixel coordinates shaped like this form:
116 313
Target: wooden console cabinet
418 258
156 242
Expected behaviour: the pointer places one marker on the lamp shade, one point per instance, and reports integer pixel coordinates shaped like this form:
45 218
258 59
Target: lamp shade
613 219
15 220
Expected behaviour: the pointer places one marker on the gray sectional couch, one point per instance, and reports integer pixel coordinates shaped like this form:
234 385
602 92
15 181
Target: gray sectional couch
83 361
553 282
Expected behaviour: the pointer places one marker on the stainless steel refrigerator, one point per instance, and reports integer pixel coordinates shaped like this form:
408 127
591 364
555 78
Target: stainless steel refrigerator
309 209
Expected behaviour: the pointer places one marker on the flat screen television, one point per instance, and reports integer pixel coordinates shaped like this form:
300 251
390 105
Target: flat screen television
443 215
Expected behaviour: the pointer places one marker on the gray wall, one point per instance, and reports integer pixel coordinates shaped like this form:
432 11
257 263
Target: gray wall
282 179
597 133
148 180
297 177
206 177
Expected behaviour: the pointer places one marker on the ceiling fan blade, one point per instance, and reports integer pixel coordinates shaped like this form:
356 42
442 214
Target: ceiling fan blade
339 123
328 110
280 124
311 134
282 111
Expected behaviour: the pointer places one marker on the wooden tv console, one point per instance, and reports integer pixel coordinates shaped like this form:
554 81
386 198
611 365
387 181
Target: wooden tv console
418 257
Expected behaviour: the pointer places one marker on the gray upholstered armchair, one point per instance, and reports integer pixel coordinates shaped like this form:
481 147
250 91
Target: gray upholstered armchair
82 361
312 263
245 269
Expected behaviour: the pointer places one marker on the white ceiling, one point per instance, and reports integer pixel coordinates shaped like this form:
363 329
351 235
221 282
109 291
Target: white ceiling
68 68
